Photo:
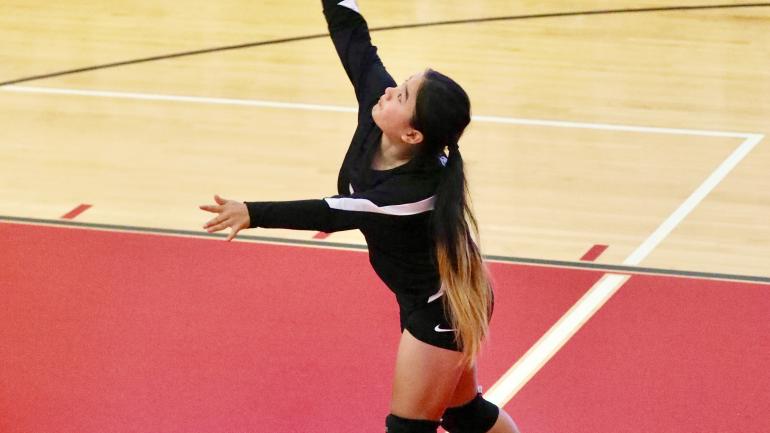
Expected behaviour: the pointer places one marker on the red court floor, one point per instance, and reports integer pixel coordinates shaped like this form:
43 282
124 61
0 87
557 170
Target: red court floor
109 331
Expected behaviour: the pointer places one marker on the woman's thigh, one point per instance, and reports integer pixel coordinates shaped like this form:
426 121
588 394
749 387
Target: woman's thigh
425 380
467 388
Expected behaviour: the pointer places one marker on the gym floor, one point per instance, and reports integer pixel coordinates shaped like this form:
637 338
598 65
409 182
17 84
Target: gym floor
618 167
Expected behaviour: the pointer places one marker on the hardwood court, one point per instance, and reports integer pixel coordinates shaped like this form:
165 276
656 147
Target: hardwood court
642 130
542 190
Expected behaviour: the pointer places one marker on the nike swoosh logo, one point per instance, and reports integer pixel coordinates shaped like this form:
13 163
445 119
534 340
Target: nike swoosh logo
439 329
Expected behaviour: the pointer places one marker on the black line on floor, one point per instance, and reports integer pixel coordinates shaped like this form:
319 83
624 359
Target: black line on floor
326 244
380 29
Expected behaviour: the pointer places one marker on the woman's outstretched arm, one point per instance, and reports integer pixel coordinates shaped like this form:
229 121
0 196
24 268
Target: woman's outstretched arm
295 215
382 206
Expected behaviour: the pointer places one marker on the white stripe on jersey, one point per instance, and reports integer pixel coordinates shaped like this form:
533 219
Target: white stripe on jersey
350 4
363 205
437 294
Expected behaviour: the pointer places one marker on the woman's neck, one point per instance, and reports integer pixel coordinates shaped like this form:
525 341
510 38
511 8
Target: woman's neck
391 154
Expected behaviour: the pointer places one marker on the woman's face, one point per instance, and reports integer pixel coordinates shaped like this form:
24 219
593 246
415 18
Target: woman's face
395 109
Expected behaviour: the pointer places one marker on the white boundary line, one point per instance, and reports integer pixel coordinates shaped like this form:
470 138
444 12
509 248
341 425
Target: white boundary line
546 347
343 109
550 343
176 98
610 127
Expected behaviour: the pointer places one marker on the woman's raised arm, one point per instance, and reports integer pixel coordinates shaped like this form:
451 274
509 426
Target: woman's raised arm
350 35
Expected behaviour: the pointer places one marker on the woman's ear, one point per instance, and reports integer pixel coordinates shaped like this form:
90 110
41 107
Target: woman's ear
412 136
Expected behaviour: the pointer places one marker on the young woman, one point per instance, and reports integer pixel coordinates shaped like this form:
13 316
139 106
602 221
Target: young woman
402 184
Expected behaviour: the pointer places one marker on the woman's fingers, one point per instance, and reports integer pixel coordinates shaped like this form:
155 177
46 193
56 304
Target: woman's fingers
215 221
218 227
231 214
233 231
211 208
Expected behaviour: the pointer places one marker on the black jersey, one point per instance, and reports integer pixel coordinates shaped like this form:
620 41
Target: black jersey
392 208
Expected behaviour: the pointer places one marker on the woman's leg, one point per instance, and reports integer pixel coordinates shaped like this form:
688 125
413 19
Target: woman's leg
425 379
467 389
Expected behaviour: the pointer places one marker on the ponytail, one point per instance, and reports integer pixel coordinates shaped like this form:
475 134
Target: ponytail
442 112
468 294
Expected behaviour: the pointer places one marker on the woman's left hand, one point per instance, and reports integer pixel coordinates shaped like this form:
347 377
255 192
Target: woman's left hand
233 214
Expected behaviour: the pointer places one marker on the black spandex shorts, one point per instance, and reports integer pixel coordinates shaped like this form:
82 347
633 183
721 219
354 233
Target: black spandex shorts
428 322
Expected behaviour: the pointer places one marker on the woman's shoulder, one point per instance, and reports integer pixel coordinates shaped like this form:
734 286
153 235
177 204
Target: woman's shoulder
409 182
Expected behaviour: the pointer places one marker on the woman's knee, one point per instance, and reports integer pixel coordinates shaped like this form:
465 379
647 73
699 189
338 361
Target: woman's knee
476 416
397 424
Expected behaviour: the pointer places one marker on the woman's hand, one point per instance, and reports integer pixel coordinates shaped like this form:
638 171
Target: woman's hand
233 214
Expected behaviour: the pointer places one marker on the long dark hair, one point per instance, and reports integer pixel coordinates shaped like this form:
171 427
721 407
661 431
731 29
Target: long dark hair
441 114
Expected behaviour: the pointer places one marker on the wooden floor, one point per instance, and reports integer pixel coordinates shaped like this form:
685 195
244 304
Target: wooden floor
643 131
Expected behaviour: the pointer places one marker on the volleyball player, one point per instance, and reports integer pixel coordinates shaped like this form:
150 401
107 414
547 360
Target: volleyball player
402 184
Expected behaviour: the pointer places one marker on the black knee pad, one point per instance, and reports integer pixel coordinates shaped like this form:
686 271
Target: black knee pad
476 416
396 424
